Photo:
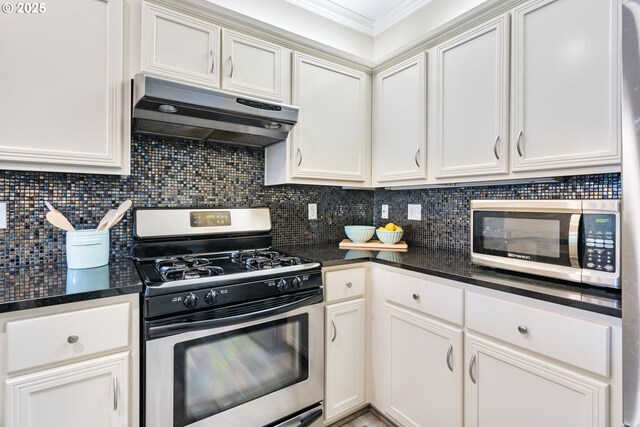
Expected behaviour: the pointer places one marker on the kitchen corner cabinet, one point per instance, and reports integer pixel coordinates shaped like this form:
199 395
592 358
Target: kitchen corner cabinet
179 46
345 342
399 148
331 144
507 388
565 85
65 99
255 67
416 350
71 365
470 83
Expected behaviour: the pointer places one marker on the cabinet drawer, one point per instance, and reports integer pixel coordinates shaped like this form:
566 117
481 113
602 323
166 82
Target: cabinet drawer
51 339
578 342
437 300
343 284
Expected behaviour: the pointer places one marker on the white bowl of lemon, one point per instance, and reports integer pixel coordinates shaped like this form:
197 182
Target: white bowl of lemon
390 233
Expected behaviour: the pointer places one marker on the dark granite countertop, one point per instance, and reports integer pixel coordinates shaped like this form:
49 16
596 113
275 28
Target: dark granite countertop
44 285
457 266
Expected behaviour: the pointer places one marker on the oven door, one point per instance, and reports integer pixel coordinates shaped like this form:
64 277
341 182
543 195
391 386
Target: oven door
537 238
257 368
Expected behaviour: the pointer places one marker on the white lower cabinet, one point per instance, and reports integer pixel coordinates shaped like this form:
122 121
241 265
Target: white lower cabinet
71 365
345 341
89 393
423 369
445 353
345 357
505 388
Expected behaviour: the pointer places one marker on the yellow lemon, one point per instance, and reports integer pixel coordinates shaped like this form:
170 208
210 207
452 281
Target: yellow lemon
390 227
398 228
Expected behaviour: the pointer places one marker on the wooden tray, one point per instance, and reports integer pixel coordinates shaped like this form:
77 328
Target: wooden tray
375 245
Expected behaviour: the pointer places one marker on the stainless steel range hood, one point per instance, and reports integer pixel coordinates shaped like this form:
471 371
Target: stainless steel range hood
170 108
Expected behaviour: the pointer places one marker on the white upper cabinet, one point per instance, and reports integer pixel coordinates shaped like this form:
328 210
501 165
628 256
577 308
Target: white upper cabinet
400 123
179 46
332 141
470 86
64 96
565 85
255 67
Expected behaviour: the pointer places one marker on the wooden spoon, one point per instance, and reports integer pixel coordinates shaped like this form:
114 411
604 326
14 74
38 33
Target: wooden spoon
50 206
105 219
124 206
58 220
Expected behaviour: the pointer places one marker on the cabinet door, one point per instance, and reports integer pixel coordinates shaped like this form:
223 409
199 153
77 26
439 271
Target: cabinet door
423 369
254 67
471 102
332 138
91 393
180 46
63 89
400 136
565 84
506 388
345 358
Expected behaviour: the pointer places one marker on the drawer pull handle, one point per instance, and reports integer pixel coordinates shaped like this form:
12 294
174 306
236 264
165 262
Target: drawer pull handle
349 285
449 356
73 339
335 331
472 364
116 393
523 330
416 297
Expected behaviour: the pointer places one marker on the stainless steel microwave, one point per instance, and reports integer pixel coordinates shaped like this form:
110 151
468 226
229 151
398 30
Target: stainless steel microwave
575 240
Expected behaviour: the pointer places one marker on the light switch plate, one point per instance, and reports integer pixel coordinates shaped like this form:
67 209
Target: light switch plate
3 215
384 214
414 212
313 211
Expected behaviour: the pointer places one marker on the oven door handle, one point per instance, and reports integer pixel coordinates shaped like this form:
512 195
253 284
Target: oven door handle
160 331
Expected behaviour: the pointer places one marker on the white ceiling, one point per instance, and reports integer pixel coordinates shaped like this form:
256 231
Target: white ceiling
368 16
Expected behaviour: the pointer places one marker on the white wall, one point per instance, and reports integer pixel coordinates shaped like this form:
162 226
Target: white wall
421 22
302 22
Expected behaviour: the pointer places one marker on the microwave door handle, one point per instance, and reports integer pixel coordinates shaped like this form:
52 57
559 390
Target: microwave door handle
574 230
180 327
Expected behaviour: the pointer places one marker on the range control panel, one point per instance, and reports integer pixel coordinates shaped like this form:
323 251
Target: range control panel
599 242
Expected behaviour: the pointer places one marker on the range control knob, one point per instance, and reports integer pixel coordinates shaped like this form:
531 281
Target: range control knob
212 297
296 283
282 285
191 300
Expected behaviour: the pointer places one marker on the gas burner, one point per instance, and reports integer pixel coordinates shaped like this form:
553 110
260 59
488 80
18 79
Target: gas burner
242 256
259 263
287 260
269 254
187 267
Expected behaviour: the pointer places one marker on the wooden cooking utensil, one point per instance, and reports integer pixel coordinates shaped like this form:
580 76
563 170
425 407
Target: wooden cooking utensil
58 220
124 206
105 219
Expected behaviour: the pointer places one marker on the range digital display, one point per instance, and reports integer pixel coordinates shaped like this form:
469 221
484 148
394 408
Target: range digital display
210 219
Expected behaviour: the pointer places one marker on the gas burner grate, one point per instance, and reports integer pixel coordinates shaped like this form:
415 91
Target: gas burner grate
187 267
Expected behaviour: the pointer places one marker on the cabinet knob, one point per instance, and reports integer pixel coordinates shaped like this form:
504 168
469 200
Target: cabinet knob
523 329
349 284
416 297
73 339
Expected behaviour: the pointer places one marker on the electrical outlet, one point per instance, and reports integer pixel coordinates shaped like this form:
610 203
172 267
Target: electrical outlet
415 212
384 214
3 215
313 211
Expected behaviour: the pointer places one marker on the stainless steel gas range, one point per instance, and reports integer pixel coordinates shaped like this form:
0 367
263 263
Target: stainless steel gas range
233 331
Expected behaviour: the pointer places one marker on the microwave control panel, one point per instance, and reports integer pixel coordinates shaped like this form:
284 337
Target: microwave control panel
600 242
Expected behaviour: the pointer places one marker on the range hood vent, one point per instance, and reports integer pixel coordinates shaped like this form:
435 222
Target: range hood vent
170 108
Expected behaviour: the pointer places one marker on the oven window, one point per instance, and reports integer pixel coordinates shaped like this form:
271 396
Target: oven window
218 372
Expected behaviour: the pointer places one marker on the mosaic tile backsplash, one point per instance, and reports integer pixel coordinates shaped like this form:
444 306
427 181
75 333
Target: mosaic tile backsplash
169 172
